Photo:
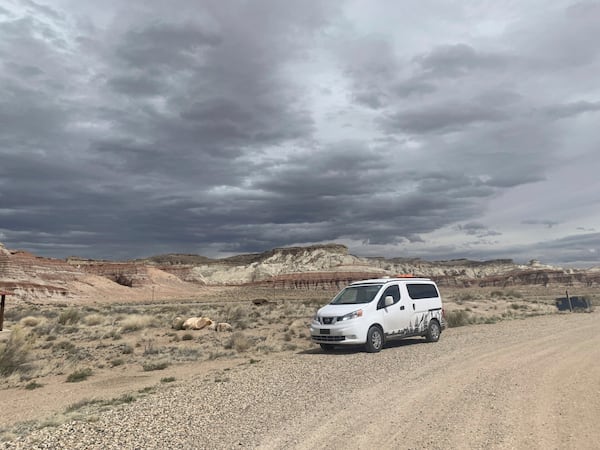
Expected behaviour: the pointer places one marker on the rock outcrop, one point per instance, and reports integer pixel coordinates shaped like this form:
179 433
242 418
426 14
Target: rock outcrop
130 274
197 323
321 267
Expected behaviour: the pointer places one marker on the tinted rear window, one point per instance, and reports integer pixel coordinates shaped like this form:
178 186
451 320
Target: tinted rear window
417 291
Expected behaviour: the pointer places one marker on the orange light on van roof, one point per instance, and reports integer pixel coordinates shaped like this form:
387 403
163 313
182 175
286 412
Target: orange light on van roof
405 275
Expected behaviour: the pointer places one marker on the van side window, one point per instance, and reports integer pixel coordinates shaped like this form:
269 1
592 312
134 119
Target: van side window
421 290
391 290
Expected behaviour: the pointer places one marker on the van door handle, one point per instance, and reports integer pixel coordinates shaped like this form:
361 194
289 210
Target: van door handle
413 306
402 308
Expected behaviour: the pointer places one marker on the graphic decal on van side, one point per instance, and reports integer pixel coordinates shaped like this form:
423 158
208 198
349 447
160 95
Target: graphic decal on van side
420 324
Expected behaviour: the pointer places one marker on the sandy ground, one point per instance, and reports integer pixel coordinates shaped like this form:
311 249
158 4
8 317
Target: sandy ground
532 383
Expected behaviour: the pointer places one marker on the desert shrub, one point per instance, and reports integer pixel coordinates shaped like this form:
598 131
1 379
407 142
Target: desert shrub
236 315
29 321
514 294
177 323
79 375
126 349
148 345
187 354
70 329
33 385
497 294
146 390
491 320
66 346
82 404
137 322
117 362
465 297
167 380
69 317
114 334
44 328
458 318
14 354
93 319
239 341
155 365
187 337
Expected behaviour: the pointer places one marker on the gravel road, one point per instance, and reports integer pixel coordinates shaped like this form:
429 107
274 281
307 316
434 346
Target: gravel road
531 383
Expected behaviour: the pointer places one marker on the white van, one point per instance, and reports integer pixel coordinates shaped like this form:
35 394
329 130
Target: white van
369 312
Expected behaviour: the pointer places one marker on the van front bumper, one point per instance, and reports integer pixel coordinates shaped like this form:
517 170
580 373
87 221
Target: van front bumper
346 335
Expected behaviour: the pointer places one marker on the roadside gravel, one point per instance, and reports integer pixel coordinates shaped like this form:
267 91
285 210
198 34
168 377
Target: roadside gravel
523 383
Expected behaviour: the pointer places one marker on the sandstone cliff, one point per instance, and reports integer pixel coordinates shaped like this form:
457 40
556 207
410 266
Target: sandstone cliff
313 267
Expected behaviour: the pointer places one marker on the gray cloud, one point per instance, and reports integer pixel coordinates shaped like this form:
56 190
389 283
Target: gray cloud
128 130
458 60
441 118
546 223
477 229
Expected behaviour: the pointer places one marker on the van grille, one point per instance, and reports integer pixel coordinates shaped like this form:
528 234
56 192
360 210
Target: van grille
330 338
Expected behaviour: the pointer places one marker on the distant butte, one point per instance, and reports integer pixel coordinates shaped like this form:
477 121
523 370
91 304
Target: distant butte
180 276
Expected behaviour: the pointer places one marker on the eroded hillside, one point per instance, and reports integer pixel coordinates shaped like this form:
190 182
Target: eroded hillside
179 276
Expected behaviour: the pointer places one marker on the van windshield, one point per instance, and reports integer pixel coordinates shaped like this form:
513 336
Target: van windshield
357 294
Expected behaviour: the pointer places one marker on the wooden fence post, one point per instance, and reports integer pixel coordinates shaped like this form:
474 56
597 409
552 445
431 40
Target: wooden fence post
2 300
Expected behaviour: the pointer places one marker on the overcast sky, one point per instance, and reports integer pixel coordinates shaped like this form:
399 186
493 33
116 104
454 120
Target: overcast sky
436 129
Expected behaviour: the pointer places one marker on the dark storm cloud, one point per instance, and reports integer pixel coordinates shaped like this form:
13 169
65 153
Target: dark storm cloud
136 85
127 130
576 250
164 45
477 229
130 152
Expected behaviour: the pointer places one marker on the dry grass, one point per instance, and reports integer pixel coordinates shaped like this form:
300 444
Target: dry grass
136 337
239 341
70 316
94 319
30 321
15 353
136 323
79 375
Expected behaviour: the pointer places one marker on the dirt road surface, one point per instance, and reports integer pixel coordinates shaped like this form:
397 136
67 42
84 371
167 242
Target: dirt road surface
531 383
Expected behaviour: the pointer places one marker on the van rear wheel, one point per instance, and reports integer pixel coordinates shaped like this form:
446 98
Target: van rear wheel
374 340
433 331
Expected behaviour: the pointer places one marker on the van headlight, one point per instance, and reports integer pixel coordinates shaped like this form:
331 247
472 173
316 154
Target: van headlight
353 315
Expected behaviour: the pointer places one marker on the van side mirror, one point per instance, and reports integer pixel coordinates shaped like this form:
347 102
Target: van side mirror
389 300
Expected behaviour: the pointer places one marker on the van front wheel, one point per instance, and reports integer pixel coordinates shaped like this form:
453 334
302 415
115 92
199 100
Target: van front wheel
374 340
433 331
